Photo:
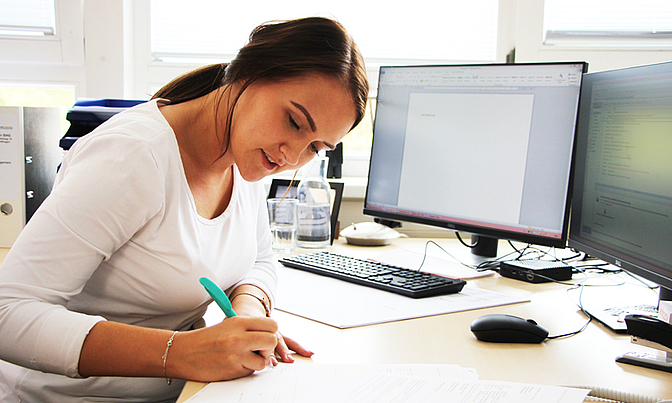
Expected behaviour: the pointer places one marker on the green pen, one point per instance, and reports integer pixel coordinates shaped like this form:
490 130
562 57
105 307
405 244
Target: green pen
218 296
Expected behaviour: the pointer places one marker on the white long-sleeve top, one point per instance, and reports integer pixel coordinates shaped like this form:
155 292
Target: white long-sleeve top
119 239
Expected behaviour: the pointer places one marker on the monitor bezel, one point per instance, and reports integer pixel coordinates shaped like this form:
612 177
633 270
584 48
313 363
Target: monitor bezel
558 242
650 269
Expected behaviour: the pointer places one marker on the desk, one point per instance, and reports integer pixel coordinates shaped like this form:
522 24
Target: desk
584 359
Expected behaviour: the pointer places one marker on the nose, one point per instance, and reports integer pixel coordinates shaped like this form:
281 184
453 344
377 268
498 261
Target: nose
292 152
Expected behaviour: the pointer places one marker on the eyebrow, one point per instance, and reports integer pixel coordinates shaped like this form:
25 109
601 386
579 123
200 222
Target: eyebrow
311 122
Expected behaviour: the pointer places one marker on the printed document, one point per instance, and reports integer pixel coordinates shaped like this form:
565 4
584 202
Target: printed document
422 383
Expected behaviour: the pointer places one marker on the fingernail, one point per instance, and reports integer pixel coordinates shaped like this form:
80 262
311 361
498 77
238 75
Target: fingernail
289 358
274 361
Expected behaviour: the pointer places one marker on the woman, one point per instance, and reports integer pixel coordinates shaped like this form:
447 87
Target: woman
100 298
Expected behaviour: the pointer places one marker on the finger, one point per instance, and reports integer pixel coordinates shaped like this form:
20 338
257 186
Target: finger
258 324
293 345
269 357
263 342
283 352
254 361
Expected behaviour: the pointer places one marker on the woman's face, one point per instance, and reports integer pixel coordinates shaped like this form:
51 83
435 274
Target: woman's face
280 126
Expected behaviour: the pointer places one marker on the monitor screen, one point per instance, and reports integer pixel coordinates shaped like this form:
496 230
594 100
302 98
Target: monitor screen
484 149
622 206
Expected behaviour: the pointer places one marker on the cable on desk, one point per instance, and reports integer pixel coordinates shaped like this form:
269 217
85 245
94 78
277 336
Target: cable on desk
617 396
424 256
459 238
585 325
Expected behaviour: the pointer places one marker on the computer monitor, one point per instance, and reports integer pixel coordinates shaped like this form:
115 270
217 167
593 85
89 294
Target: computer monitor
484 149
622 205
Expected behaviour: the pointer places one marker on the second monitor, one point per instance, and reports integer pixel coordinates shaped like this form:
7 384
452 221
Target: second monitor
485 149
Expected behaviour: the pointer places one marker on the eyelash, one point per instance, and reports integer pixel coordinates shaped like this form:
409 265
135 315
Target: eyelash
295 125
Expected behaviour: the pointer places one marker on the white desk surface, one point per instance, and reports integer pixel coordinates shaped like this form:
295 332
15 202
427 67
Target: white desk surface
584 359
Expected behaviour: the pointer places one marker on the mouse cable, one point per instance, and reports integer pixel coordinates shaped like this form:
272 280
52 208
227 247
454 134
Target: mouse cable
585 325
617 396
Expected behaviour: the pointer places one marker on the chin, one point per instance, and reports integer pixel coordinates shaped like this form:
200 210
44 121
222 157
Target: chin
256 176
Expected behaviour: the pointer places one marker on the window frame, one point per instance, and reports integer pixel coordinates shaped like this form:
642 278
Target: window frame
64 46
520 35
151 73
530 46
51 59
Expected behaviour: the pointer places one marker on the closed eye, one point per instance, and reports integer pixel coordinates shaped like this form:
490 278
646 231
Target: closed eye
293 123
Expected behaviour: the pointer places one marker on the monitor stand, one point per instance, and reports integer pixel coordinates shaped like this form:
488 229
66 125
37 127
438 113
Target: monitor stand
484 246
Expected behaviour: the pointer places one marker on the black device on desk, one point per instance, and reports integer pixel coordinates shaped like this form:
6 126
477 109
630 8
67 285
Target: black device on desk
502 328
485 149
651 332
622 203
399 280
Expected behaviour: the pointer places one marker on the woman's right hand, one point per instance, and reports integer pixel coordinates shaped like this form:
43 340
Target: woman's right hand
224 351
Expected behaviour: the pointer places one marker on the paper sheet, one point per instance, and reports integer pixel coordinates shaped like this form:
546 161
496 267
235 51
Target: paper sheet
325 383
345 305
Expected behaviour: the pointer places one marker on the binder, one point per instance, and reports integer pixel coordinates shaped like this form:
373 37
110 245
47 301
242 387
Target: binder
29 158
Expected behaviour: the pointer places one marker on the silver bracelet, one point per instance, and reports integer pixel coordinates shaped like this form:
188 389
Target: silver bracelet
165 358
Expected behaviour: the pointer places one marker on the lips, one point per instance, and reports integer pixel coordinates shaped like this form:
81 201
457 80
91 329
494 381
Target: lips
269 162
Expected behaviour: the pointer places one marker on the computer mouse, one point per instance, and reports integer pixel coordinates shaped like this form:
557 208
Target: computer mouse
369 234
502 328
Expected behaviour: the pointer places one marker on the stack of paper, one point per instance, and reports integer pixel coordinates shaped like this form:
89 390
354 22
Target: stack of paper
426 383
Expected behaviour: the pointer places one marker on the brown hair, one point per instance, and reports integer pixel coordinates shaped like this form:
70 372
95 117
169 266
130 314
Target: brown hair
278 51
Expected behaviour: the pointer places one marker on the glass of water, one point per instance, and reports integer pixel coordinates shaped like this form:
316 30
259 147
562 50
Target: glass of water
283 220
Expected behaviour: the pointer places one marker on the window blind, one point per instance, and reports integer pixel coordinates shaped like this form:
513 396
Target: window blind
27 17
607 20
383 30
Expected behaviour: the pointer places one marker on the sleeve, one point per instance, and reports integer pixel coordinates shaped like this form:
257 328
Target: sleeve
264 271
108 187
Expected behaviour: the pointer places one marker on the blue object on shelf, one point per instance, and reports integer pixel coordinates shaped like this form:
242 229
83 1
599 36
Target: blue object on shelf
87 114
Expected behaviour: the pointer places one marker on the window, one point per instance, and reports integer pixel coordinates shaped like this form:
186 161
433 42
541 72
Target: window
209 31
27 17
383 30
608 22
39 95
41 65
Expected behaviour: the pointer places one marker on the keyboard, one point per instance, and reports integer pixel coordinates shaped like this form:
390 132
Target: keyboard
399 280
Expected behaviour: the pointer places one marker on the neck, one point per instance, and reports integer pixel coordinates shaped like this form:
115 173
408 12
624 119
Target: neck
200 141
200 136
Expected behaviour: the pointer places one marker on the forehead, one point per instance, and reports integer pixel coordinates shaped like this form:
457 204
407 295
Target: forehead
325 99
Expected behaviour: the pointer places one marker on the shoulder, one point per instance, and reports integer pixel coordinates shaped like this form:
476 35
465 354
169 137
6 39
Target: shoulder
135 137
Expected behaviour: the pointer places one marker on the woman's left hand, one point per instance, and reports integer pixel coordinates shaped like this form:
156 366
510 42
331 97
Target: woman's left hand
286 345
250 306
